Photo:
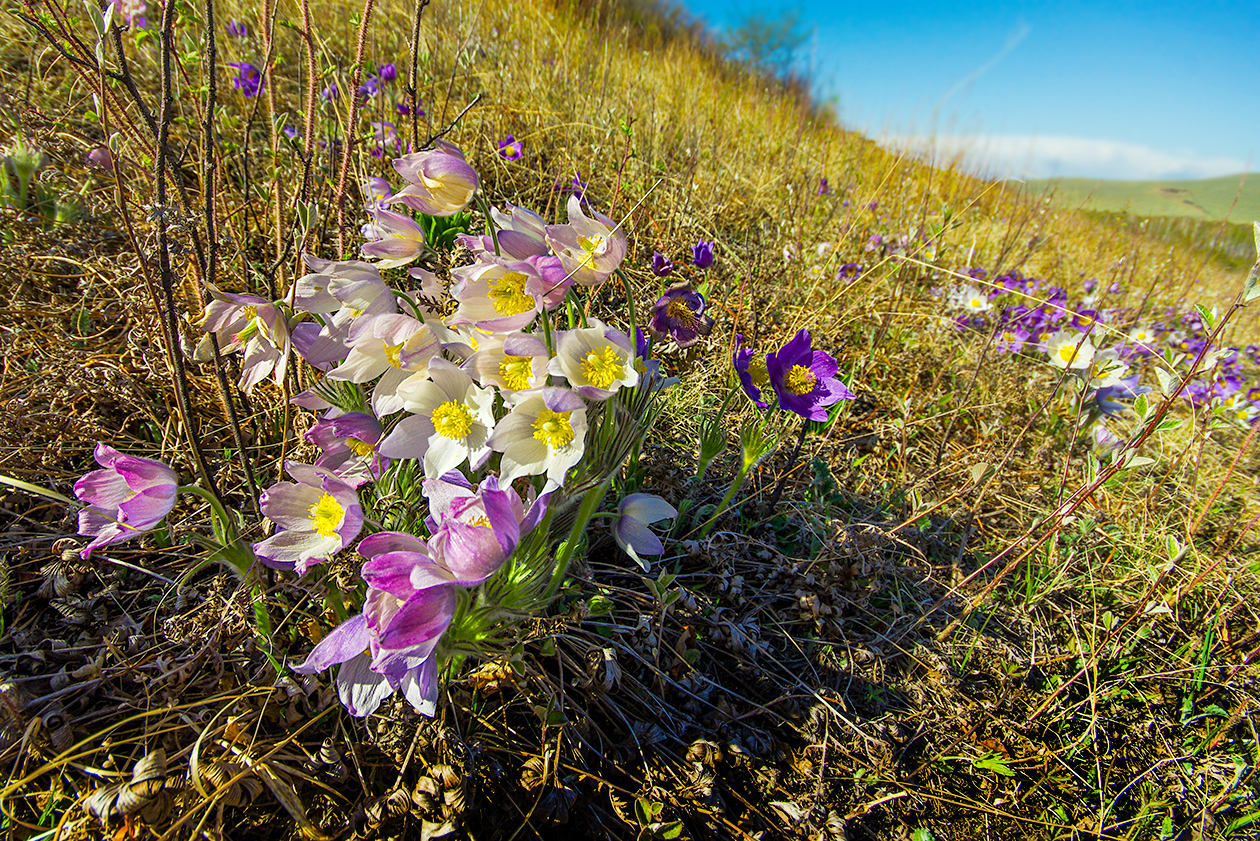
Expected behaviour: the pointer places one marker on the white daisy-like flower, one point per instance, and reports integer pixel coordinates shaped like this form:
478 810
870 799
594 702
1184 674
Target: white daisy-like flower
545 432
451 420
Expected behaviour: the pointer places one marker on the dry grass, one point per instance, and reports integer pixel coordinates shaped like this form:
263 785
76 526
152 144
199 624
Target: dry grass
792 674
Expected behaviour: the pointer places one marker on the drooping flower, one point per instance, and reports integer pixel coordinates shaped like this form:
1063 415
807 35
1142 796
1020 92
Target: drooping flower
248 79
662 266
545 432
521 232
590 247
349 444
450 421
635 512
751 369
236 29
316 517
679 313
251 324
441 183
702 254
393 239
805 379
342 291
511 149
596 360
129 497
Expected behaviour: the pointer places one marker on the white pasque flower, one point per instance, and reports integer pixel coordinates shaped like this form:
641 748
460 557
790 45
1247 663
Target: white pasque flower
596 360
1069 349
395 345
451 420
545 432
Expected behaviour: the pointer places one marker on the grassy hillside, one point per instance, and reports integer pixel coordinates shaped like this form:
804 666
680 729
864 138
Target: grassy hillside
984 598
1231 197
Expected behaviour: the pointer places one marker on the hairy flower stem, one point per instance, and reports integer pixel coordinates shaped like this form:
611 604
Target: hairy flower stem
490 226
352 119
791 466
585 512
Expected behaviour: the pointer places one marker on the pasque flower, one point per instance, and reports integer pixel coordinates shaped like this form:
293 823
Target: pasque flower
679 313
441 183
750 367
635 512
511 149
252 325
596 360
662 266
702 254
349 444
451 420
316 517
590 247
248 79
236 29
805 379
394 239
128 497
545 432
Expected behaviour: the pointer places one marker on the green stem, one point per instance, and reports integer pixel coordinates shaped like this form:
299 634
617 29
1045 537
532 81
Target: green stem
226 532
587 510
736 484
494 233
625 283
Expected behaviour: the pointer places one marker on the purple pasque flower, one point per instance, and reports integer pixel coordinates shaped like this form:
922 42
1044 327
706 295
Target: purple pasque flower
1011 339
387 140
522 234
290 132
1085 320
387 72
662 266
236 29
129 497
475 531
634 513
349 443
574 185
330 91
702 254
805 379
511 149
679 313
100 159
824 189
390 646
1126 389
316 517
750 367
248 79
849 271
370 87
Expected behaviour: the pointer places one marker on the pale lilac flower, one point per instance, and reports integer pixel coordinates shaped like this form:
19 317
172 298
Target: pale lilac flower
521 232
349 443
341 291
515 362
250 324
394 239
395 345
441 183
450 421
596 360
316 517
591 248
496 296
634 513
545 432
129 497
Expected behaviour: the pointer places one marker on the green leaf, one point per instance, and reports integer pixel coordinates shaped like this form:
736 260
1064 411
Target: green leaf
1167 381
1251 289
922 834
1141 406
1209 318
994 764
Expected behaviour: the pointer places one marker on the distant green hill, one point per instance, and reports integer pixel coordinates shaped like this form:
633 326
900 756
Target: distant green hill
1209 199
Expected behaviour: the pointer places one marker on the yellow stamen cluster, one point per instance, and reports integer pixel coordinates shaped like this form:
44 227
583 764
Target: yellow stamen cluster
507 294
1068 352
326 515
479 521
393 354
516 371
800 380
602 366
593 243
452 420
554 429
362 449
678 311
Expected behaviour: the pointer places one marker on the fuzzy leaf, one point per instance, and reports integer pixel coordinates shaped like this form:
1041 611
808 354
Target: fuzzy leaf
1251 289
1167 381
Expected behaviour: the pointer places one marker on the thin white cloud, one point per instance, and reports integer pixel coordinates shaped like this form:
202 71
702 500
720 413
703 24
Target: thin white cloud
1026 156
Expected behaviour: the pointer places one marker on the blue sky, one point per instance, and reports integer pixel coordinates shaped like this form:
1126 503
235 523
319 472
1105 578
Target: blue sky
1093 89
